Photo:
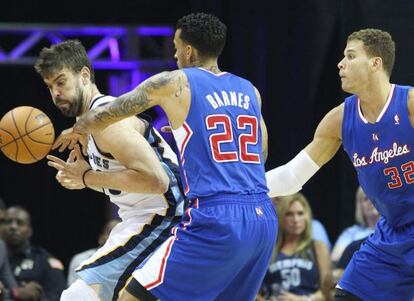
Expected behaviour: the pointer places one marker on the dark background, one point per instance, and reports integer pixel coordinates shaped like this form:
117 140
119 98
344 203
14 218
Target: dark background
289 51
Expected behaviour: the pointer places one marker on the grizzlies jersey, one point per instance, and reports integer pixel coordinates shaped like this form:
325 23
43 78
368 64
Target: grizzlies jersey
220 142
140 204
382 154
297 274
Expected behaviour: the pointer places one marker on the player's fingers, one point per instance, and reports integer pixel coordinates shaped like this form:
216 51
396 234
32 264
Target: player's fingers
77 150
64 145
83 140
55 159
73 142
56 165
72 156
85 149
57 143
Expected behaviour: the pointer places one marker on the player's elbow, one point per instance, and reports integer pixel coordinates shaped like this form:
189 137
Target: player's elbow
161 183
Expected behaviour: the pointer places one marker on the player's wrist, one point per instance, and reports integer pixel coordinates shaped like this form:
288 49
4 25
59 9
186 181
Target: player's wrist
84 176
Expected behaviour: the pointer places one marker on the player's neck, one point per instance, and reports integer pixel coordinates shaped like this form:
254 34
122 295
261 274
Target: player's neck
210 65
88 95
373 99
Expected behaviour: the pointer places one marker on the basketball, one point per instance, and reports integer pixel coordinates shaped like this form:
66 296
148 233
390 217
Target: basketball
26 134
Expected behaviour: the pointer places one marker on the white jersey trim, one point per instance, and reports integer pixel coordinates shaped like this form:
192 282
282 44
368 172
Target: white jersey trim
216 74
384 109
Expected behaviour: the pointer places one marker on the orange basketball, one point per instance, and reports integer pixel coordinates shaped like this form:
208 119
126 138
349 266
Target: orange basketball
26 134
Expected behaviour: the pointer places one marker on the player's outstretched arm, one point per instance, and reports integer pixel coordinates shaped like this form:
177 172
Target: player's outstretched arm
289 178
149 93
144 173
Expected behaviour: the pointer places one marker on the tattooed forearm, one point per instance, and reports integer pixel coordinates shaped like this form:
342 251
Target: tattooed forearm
128 104
136 101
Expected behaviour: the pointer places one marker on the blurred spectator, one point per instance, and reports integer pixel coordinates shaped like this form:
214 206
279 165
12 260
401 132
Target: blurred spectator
6 277
366 217
319 233
318 229
33 267
77 259
300 263
3 209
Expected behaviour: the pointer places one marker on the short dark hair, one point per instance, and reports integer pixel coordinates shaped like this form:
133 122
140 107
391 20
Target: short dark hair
204 32
377 43
70 54
24 210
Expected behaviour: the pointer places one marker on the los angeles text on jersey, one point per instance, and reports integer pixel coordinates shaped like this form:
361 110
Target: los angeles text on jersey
229 98
381 156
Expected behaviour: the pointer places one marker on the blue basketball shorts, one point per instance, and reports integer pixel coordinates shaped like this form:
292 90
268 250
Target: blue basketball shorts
220 251
383 268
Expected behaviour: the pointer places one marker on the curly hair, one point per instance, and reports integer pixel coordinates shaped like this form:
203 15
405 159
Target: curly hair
377 43
204 32
68 54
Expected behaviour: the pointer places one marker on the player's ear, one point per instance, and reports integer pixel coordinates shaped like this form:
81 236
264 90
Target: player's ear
191 54
376 63
85 75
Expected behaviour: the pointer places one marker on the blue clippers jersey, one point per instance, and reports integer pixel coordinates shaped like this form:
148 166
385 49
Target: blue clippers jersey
382 154
220 142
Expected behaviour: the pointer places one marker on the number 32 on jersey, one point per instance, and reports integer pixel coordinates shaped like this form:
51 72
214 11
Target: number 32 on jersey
241 144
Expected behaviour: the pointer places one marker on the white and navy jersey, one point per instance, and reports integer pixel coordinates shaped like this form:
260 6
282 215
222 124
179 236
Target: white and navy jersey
296 273
220 142
382 154
140 204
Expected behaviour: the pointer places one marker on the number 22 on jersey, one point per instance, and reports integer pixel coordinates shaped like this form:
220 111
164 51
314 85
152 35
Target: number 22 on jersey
246 135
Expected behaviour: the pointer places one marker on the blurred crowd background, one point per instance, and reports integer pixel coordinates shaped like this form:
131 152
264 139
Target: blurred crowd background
288 49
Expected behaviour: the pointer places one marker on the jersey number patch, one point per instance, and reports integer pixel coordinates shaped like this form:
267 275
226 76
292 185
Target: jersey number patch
239 151
396 180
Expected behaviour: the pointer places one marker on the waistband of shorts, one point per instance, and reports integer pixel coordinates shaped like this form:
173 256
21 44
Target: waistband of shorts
228 198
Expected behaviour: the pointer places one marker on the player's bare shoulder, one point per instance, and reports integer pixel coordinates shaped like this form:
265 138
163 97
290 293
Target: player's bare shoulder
331 124
258 96
411 105
171 84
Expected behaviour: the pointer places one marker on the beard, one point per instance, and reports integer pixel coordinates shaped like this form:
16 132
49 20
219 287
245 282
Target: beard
74 107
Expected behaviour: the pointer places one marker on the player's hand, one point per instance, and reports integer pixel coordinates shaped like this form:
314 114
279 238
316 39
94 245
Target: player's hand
90 122
70 173
31 291
68 139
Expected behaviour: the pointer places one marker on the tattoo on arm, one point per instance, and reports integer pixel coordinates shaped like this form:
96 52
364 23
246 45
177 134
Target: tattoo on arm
137 100
181 84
